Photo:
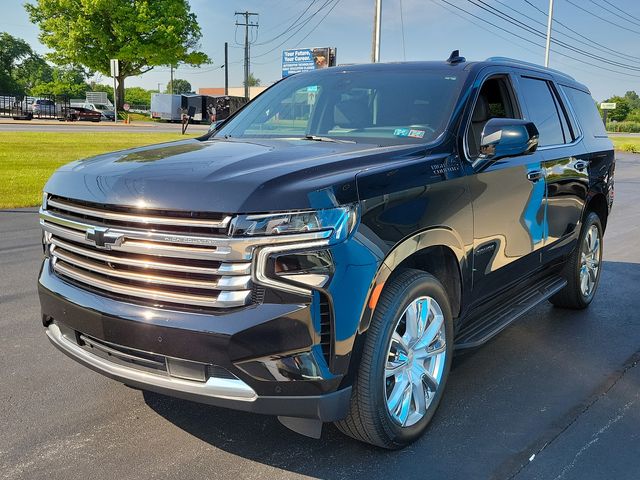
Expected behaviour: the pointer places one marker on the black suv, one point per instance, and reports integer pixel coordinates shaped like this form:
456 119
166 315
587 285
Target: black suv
323 253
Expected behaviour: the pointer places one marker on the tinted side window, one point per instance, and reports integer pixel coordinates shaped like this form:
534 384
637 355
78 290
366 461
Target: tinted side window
586 111
542 110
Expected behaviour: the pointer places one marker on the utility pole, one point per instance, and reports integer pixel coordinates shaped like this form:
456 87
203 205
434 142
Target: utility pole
377 24
159 87
226 68
171 81
247 15
549 23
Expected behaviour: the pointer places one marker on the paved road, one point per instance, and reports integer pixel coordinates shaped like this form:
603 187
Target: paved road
555 396
56 126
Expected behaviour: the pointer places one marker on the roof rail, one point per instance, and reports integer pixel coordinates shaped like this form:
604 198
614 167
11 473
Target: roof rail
527 64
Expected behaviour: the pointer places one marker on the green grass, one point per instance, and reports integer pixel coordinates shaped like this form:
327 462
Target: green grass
27 159
626 144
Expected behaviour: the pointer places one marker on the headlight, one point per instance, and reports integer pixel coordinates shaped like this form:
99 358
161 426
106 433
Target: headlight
303 262
341 220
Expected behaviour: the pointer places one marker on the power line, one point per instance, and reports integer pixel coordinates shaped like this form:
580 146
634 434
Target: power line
302 25
603 48
514 21
580 7
485 21
318 24
614 13
293 25
623 11
483 26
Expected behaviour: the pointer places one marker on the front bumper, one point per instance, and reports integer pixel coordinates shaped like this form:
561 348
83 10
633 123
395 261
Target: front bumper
229 393
235 341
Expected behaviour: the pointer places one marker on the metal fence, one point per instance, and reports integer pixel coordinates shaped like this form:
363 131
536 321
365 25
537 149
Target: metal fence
22 107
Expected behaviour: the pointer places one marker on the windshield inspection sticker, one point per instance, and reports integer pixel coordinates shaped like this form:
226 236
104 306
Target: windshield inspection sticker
408 132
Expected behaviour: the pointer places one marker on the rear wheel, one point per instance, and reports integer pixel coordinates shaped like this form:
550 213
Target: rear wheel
405 363
582 270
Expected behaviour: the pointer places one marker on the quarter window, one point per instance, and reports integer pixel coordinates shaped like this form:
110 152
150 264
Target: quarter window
586 111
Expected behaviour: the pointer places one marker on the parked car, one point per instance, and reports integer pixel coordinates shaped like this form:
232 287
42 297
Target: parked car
325 266
44 107
106 111
86 114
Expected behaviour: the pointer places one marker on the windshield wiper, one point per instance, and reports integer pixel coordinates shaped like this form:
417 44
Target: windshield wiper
317 138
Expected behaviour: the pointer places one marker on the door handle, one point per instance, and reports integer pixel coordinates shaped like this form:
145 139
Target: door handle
581 165
534 175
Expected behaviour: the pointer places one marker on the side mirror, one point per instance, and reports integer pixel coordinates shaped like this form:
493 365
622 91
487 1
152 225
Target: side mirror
508 137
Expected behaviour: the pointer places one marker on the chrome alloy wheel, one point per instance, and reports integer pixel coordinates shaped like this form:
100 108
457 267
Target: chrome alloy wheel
590 261
415 361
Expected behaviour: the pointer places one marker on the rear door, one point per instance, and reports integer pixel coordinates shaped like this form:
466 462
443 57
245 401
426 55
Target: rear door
565 162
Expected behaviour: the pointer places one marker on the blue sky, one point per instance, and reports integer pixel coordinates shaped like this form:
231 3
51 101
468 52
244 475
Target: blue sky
431 31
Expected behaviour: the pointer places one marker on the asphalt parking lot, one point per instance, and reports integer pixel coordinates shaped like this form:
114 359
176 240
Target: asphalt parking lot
556 396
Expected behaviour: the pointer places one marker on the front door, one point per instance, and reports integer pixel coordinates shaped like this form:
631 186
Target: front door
508 199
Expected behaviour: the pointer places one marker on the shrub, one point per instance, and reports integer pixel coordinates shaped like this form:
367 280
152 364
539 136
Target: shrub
626 127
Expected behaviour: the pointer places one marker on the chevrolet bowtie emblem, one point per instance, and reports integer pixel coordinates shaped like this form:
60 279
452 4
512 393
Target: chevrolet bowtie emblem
103 238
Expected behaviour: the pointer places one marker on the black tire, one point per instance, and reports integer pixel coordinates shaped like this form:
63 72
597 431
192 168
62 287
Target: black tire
572 296
368 419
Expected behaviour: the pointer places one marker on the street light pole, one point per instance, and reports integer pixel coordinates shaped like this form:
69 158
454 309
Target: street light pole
549 24
377 24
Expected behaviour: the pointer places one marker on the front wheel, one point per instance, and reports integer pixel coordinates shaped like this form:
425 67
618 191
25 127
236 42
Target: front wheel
405 363
582 270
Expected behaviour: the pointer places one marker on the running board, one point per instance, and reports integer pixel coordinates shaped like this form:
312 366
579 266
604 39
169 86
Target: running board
488 323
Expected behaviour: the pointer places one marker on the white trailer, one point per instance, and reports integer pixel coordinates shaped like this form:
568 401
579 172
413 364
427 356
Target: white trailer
166 106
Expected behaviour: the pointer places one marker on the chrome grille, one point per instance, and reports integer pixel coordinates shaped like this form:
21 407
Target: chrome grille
151 259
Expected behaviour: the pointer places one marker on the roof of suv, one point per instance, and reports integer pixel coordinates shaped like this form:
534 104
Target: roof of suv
469 66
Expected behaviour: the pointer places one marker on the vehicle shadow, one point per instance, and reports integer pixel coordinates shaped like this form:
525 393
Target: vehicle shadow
497 406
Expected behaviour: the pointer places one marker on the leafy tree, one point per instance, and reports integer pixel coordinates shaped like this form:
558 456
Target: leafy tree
253 81
66 81
137 96
140 33
633 99
179 86
33 71
622 108
12 52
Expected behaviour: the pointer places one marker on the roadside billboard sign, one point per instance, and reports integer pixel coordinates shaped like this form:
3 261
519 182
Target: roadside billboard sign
306 59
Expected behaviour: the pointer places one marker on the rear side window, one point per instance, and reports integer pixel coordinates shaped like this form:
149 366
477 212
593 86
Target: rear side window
586 111
543 110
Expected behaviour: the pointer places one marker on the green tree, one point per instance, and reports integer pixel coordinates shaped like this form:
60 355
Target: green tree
13 51
137 96
140 33
253 81
66 81
33 71
179 86
622 108
633 99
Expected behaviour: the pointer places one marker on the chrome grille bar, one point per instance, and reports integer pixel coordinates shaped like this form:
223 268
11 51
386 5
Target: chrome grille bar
243 268
224 299
239 283
136 218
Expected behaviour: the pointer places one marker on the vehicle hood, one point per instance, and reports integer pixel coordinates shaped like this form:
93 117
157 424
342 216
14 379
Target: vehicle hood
228 176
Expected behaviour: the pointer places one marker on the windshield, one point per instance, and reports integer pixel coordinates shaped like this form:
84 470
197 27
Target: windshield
384 107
